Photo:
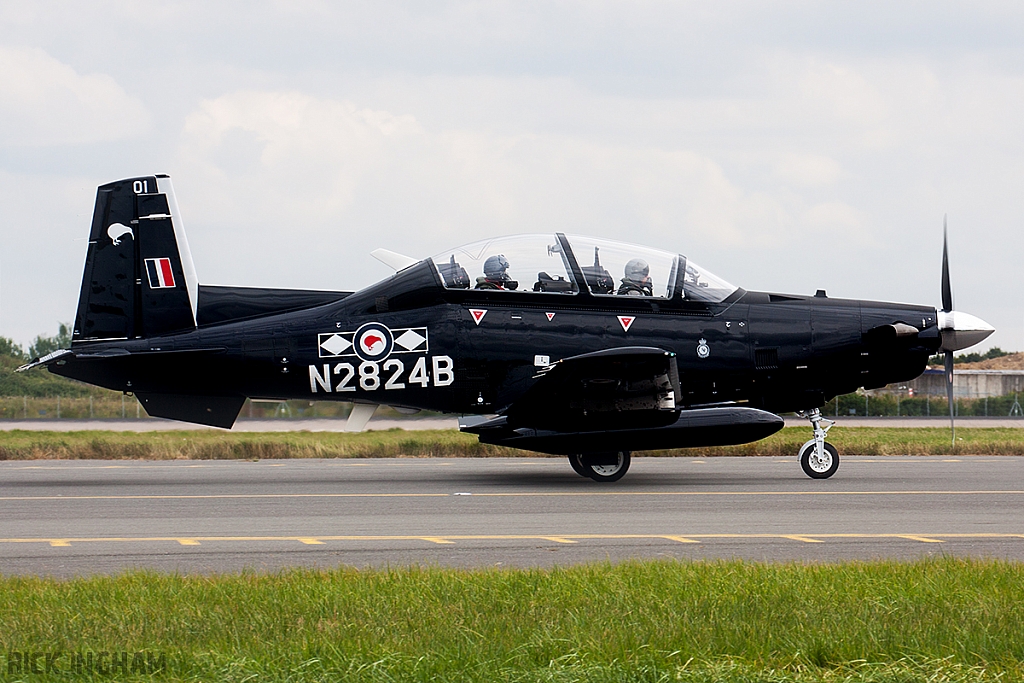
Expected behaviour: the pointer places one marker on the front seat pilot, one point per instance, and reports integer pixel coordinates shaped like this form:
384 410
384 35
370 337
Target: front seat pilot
637 281
496 275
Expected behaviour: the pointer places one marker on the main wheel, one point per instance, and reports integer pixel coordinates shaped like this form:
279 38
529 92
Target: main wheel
815 467
605 466
577 466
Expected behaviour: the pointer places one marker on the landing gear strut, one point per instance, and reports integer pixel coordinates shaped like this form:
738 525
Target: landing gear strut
819 459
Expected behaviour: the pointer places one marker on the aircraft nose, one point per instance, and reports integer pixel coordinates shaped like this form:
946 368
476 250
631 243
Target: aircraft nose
960 330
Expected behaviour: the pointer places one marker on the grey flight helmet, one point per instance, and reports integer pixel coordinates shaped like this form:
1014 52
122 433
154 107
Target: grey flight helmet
495 267
637 270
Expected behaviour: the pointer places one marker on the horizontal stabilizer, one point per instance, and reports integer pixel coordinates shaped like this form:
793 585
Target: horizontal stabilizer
215 411
46 360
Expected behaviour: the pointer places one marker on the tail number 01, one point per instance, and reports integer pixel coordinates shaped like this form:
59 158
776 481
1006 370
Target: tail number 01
371 375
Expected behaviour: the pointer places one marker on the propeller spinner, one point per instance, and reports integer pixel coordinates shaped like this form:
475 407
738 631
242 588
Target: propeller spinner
958 330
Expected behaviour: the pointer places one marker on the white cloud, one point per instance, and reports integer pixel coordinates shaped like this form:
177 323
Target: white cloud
807 170
786 147
284 157
259 165
45 102
842 94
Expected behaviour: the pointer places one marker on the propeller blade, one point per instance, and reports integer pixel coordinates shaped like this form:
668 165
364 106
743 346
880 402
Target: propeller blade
947 290
949 395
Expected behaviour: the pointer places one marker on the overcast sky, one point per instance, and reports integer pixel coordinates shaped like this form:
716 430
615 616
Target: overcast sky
785 146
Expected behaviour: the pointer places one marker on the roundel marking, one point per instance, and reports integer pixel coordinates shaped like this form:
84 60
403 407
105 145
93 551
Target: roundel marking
374 341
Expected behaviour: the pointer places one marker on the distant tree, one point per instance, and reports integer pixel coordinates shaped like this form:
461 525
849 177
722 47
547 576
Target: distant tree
44 345
994 352
9 348
39 382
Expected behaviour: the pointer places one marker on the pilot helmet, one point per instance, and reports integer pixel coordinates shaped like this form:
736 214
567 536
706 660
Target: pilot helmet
637 270
495 267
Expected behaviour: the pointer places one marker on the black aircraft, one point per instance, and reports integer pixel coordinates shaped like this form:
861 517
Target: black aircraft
553 343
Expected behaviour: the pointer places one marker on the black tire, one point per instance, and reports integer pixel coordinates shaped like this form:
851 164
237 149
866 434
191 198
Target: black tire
577 466
814 468
605 473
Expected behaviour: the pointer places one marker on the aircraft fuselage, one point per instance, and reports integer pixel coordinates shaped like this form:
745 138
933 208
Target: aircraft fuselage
476 351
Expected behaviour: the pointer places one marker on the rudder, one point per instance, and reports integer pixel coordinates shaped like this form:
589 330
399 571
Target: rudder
139 278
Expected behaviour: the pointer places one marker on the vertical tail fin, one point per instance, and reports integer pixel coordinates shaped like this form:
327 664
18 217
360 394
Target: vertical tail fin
139 278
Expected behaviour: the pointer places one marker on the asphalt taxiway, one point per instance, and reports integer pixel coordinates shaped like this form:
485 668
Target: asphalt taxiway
323 424
68 518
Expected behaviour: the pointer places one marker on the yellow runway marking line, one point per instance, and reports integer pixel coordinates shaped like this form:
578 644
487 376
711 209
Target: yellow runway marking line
229 496
680 539
560 538
922 539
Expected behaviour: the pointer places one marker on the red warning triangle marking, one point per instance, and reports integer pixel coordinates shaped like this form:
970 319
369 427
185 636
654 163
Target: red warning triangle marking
626 321
550 315
478 314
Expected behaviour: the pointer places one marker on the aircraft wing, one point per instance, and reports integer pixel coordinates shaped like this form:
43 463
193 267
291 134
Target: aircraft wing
632 386
618 399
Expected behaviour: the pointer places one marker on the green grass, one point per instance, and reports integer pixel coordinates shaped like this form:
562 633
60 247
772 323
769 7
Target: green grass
38 382
940 620
210 444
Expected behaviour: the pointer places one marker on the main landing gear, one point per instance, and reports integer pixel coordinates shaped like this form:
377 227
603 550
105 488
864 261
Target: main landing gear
600 466
819 459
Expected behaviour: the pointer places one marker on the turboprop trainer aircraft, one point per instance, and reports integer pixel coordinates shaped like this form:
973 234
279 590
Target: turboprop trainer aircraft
554 343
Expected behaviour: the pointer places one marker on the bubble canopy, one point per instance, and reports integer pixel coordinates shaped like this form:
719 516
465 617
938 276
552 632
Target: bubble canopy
554 263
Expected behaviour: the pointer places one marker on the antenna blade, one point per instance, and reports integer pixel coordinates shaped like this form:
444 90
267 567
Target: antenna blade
359 417
947 290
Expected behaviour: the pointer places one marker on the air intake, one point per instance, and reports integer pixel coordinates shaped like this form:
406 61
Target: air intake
766 359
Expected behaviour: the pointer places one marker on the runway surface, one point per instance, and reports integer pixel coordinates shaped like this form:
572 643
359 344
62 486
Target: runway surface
82 517
156 424
333 425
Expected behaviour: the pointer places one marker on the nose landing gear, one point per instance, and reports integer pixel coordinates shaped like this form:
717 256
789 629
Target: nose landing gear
819 459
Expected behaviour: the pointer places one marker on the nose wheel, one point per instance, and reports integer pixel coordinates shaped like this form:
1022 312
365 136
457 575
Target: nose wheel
818 458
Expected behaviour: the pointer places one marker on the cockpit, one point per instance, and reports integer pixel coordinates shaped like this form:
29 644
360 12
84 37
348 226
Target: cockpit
560 264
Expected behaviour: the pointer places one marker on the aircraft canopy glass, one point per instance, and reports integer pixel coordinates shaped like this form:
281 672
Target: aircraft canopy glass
700 285
518 263
536 263
615 268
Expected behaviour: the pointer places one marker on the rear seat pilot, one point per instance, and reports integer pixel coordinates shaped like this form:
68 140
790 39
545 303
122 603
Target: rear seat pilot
638 280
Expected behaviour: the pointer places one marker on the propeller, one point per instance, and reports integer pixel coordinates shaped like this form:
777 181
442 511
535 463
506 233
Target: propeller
947 307
958 330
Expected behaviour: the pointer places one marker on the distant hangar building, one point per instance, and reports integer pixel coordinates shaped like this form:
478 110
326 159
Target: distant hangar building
966 383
